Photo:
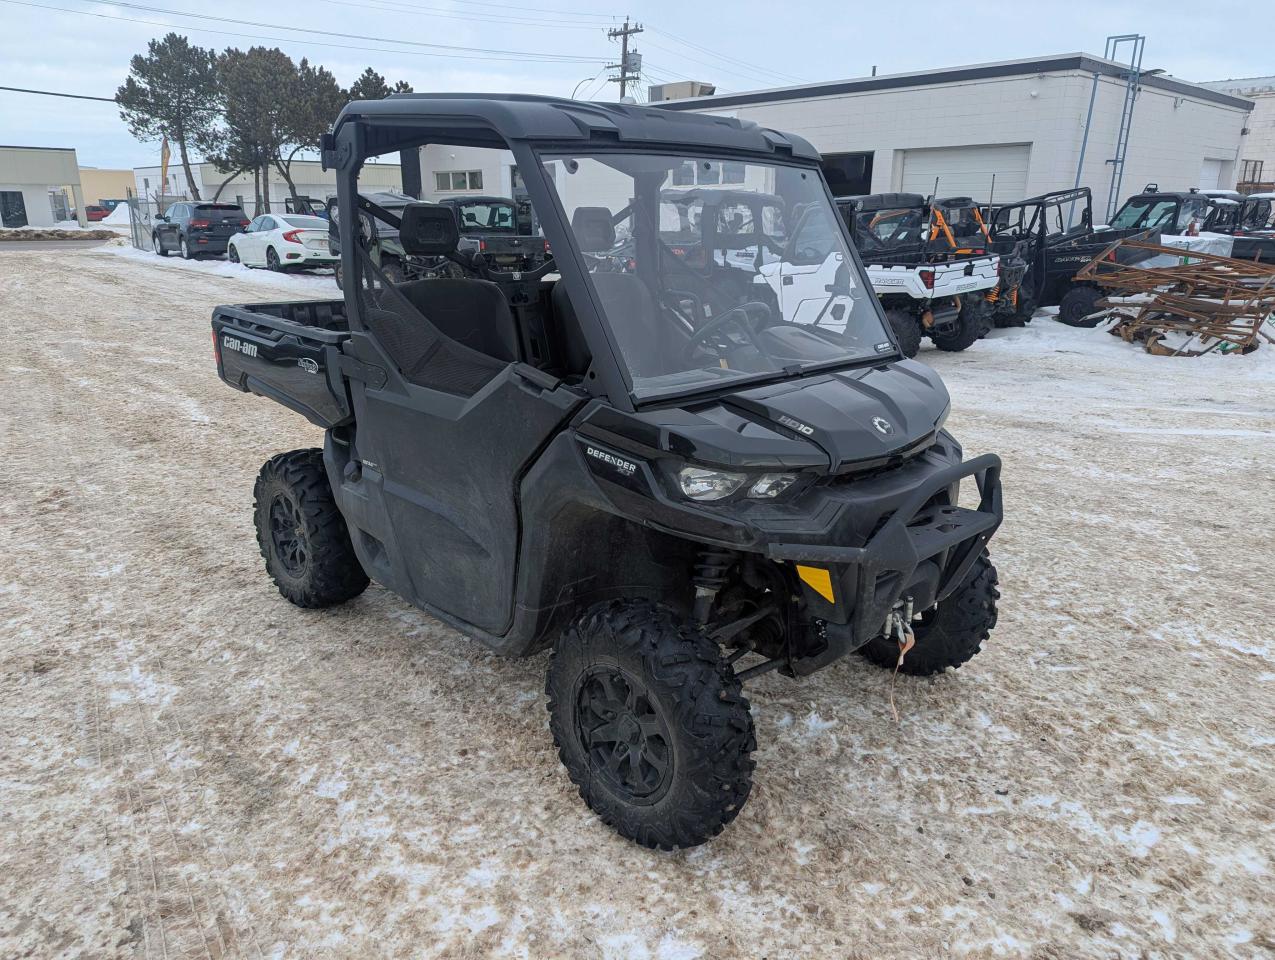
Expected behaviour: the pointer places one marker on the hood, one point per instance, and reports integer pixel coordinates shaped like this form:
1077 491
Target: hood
828 422
855 416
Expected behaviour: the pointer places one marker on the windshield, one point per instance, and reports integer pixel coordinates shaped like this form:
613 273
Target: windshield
1166 213
720 283
488 217
886 229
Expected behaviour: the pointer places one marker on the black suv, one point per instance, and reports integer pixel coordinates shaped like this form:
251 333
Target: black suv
193 228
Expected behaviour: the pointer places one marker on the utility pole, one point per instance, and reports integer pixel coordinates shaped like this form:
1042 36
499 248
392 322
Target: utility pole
630 65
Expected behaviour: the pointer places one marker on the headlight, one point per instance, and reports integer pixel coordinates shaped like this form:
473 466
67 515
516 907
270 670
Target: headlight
700 484
772 485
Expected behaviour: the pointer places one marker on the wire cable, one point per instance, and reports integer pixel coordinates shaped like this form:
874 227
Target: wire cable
490 51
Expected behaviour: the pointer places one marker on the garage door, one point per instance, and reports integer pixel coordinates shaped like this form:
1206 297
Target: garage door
967 171
1211 174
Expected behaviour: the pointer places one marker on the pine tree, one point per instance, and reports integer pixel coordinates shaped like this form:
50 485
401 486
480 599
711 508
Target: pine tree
171 92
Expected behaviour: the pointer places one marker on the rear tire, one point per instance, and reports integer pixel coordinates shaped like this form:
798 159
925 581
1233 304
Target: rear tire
907 330
651 724
969 326
1076 305
301 533
337 275
951 633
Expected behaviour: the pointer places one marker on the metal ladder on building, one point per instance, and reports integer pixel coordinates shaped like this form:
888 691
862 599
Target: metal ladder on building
1133 44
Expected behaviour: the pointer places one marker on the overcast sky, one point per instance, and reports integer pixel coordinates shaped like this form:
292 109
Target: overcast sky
739 45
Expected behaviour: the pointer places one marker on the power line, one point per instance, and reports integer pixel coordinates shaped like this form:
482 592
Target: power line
258 37
53 93
392 6
492 52
721 56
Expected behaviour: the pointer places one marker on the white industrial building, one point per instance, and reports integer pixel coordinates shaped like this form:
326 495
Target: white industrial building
1022 120
31 178
1257 158
310 178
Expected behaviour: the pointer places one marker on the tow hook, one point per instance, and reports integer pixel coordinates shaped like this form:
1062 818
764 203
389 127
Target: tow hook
899 626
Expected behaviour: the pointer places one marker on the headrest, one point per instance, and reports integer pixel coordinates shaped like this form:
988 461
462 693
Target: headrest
428 230
593 228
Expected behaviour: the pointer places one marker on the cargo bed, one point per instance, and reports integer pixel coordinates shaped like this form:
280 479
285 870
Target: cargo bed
289 352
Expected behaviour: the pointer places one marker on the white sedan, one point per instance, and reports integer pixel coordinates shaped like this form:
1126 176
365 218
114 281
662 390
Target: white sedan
283 242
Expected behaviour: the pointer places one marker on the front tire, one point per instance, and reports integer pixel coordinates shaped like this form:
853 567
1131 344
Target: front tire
301 533
1077 304
651 724
951 633
907 330
272 260
184 248
232 253
158 245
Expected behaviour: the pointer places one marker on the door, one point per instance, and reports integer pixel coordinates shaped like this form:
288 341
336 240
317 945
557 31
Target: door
968 171
261 238
1211 174
444 442
169 228
13 209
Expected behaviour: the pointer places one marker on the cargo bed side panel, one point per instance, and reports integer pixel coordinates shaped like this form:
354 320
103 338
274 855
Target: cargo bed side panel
295 364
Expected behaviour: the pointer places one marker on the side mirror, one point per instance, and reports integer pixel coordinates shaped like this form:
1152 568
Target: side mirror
428 230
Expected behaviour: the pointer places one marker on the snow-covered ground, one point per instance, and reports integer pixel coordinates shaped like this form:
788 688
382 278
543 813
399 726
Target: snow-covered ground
191 767
304 286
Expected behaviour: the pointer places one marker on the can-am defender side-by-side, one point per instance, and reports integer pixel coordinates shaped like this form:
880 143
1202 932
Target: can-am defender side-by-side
674 476
925 291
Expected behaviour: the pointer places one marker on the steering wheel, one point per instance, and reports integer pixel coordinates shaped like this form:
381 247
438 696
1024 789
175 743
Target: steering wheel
739 315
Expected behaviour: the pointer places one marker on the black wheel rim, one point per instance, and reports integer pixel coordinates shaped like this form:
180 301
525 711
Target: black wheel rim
287 535
622 734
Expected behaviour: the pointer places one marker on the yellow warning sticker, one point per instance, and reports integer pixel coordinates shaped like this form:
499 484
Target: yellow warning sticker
819 580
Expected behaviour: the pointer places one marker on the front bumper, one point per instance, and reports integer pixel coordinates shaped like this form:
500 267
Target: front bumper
923 550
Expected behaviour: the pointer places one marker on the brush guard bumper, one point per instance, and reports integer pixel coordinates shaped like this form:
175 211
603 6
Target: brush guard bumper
926 545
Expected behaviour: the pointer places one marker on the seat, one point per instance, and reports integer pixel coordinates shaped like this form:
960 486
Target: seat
636 324
472 312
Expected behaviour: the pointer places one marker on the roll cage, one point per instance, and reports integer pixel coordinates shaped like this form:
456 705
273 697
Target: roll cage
531 127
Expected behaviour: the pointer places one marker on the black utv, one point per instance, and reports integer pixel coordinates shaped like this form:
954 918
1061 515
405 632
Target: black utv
1055 235
673 477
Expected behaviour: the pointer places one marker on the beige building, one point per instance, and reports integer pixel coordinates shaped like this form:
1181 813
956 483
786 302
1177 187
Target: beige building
100 184
29 176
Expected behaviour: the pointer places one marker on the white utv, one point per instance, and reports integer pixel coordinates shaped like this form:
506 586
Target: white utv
925 291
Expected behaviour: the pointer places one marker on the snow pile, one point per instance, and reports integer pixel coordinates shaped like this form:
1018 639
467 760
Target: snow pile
119 215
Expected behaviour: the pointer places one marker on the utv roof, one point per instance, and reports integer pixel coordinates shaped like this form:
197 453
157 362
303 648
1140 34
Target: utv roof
882 201
490 120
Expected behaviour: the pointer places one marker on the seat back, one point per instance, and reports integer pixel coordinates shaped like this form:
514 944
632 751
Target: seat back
472 312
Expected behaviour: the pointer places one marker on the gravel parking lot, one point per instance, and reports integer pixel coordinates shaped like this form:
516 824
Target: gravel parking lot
190 767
